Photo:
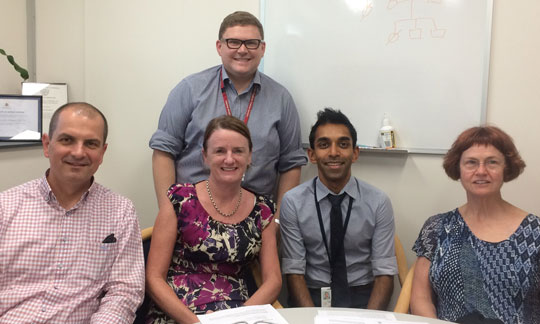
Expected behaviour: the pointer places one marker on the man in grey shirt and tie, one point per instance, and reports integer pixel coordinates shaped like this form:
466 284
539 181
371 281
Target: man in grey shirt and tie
337 231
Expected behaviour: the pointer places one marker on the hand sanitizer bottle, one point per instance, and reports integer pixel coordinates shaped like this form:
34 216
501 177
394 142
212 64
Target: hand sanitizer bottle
388 139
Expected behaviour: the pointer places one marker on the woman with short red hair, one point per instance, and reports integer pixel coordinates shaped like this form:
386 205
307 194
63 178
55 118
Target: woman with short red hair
480 263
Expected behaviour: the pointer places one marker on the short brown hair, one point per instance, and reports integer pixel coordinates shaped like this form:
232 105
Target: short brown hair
83 107
230 123
240 18
484 135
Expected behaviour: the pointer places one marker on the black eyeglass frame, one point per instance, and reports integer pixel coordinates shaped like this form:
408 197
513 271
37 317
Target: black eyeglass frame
243 42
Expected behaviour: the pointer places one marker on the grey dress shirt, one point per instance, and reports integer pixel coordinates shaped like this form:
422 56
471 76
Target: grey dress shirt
274 126
369 239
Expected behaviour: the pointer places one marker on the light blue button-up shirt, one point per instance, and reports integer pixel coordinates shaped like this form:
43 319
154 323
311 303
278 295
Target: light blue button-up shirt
273 123
369 240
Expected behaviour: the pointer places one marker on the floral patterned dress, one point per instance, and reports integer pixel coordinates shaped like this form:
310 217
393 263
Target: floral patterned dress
209 257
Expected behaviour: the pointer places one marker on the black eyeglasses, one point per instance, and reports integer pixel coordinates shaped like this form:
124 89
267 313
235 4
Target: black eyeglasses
234 43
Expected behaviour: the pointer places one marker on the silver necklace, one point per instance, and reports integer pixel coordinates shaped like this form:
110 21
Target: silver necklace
216 207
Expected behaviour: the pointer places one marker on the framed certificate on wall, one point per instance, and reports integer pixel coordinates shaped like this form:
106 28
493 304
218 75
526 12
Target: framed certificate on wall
21 118
54 96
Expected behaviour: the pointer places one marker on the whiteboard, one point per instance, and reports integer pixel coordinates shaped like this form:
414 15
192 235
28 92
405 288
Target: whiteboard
424 62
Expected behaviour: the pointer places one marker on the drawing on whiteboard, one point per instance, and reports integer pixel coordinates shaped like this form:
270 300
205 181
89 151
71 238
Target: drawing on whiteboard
413 24
364 7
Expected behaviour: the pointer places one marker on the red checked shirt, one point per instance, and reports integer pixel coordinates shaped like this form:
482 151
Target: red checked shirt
83 265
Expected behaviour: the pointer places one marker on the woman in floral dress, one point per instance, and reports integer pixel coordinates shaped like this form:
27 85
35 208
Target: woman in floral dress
214 230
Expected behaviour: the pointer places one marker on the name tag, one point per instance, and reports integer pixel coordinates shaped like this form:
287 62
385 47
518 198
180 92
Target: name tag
326 297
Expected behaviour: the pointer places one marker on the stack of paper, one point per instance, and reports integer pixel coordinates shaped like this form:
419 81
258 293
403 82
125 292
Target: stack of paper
264 314
350 317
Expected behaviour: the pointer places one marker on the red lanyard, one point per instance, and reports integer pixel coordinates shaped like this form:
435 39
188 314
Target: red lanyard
226 100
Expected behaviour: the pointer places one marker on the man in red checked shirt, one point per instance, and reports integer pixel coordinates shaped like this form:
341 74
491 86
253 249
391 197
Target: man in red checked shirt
70 248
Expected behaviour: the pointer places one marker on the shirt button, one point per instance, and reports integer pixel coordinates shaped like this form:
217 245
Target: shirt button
59 266
55 287
43 309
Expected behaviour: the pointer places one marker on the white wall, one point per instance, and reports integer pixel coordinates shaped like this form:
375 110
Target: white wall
16 164
136 52
514 96
59 58
105 52
13 41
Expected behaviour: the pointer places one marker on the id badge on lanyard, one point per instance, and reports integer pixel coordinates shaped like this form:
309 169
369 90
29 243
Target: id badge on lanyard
326 297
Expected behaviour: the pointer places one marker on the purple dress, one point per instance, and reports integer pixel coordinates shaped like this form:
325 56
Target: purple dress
209 257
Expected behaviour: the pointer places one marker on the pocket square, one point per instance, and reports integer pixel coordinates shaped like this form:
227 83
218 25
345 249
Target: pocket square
109 239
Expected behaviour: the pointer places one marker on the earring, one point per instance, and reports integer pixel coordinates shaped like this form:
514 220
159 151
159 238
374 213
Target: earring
243 177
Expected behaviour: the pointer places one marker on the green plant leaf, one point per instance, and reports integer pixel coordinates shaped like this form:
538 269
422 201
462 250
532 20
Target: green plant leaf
23 72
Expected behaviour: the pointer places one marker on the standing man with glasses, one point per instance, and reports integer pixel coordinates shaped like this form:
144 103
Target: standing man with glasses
337 231
235 88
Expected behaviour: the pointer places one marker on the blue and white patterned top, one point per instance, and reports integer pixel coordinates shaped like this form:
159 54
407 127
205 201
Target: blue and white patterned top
499 280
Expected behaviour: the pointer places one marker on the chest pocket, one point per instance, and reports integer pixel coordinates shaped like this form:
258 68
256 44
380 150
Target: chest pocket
98 262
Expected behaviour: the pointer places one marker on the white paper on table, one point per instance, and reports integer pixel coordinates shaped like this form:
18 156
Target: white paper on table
363 315
344 317
323 319
261 314
401 322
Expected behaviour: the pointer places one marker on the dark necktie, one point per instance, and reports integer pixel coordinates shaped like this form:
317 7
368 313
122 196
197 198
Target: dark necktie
339 284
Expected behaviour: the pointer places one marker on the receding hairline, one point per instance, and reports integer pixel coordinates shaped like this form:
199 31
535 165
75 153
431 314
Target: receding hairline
82 109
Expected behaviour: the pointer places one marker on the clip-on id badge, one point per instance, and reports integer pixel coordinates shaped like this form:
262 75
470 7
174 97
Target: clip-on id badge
326 297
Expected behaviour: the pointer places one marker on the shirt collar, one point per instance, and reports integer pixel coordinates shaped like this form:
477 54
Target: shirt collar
256 78
351 189
48 195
